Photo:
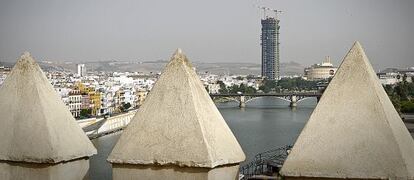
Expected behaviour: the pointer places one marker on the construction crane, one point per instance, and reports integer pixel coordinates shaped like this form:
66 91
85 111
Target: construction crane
277 12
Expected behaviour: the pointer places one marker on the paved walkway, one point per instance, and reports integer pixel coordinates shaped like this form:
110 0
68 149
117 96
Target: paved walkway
409 122
410 127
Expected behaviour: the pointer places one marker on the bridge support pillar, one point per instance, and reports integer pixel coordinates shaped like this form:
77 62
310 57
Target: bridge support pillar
242 102
293 101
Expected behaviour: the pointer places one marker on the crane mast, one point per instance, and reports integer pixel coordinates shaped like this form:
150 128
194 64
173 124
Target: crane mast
265 9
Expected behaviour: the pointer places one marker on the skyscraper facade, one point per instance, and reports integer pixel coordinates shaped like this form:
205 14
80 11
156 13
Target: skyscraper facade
270 48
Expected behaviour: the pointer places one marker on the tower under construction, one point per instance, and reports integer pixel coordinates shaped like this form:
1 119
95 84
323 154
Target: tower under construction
270 48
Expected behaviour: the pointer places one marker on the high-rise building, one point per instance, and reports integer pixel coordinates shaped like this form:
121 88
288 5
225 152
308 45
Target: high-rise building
270 48
81 70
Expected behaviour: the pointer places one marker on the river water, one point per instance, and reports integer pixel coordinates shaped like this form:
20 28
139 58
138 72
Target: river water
266 123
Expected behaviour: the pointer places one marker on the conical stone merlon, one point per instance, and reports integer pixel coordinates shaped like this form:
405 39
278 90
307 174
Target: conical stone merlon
355 131
36 126
178 124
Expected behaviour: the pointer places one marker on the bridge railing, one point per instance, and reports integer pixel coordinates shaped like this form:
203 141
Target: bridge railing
271 94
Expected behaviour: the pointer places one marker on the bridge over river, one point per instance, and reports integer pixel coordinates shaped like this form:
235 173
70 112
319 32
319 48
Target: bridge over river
98 126
292 97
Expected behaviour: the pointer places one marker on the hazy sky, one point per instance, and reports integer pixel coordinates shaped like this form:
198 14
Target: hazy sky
207 31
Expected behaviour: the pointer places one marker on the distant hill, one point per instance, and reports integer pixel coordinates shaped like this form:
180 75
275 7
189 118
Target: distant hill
290 68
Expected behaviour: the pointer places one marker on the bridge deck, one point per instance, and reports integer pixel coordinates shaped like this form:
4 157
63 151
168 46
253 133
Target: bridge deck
272 94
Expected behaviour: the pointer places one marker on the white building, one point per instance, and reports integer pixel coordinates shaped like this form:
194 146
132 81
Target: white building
107 102
2 78
392 76
75 102
389 78
213 88
324 70
81 70
129 97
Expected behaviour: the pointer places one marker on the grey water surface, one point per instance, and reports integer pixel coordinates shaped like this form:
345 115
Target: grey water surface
266 123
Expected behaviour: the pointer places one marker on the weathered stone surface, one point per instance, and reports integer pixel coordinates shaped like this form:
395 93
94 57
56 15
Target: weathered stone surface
354 132
72 170
173 172
178 124
35 125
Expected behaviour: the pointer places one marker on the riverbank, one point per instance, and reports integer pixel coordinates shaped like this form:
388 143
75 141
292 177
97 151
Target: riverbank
222 100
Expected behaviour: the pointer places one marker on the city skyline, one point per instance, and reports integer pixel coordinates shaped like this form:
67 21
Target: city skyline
185 125
143 31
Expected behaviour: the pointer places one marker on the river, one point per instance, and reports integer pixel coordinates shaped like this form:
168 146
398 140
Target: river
266 123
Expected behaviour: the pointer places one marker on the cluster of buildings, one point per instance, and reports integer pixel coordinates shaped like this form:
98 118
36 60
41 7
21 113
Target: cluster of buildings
98 94
388 76
4 71
211 81
391 76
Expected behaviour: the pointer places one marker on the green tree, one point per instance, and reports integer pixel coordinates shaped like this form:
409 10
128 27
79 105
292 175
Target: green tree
84 113
407 107
223 89
250 90
241 88
410 89
402 90
233 89
126 106
388 88
395 99
268 85
401 95
405 78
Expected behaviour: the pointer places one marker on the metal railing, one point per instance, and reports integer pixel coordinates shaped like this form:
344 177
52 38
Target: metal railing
267 163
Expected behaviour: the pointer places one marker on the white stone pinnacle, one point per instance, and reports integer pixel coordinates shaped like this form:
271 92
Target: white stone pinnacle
178 51
35 125
26 55
354 131
178 124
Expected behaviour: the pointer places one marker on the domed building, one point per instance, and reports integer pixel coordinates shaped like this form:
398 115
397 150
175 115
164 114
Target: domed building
324 70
